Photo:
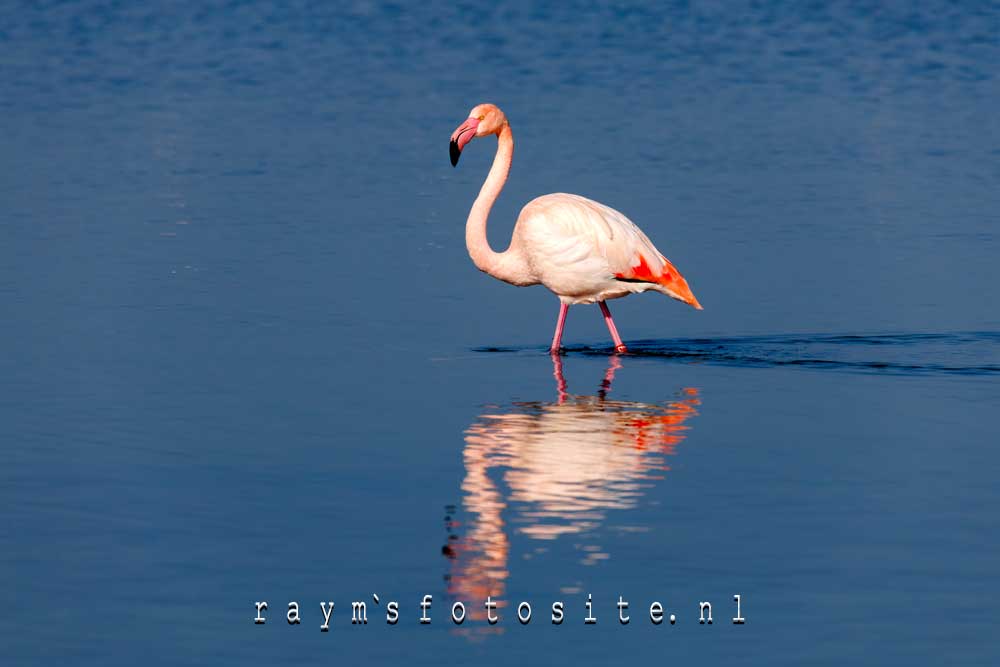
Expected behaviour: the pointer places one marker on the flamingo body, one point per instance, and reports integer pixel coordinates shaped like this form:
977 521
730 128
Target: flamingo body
581 250
586 252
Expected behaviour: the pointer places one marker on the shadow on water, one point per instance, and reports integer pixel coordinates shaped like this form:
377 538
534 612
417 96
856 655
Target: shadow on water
550 469
967 353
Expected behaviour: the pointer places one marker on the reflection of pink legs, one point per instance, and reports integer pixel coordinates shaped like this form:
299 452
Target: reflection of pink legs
619 345
614 363
557 373
560 323
609 375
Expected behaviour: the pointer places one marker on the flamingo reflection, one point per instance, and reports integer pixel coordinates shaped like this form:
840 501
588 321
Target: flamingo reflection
552 469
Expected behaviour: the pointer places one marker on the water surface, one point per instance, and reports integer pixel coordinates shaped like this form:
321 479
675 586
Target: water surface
246 356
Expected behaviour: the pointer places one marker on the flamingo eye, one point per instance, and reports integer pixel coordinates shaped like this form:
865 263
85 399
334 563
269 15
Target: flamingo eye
482 117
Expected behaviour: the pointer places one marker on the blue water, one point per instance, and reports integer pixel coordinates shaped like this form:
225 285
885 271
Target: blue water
246 356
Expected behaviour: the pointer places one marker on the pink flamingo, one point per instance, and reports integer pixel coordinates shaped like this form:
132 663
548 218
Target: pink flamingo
581 250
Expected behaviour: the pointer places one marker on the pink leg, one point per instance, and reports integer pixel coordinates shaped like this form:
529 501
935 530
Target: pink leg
619 345
560 323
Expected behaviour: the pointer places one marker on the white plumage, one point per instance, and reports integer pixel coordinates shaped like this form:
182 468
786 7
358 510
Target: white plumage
580 249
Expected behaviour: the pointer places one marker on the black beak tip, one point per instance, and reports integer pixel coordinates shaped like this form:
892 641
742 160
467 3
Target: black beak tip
455 152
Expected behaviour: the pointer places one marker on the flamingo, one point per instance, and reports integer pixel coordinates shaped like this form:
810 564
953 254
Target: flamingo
581 250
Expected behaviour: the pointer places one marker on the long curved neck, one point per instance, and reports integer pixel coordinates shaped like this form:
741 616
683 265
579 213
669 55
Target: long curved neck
508 266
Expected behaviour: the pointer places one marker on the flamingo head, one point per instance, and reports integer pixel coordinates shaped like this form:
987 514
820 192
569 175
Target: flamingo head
484 119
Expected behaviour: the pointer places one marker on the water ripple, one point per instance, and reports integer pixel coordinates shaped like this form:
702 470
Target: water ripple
961 353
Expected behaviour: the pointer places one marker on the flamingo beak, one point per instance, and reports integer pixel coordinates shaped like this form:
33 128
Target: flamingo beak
461 136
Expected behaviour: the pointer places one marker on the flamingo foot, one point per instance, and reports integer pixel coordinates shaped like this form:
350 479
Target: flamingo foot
621 349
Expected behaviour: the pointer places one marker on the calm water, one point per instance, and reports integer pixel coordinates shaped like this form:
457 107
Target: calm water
246 356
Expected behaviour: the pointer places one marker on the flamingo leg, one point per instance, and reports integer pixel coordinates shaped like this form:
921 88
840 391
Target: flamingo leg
619 345
560 324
